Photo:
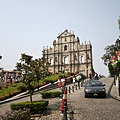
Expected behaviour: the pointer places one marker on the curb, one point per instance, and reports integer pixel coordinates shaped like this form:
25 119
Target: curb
114 95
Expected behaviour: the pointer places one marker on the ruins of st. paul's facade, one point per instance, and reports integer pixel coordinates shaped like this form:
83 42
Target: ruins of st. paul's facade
69 54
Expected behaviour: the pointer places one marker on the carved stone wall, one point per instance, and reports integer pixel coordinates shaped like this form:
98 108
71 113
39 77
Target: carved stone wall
69 54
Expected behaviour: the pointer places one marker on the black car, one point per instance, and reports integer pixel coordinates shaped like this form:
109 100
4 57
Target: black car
95 88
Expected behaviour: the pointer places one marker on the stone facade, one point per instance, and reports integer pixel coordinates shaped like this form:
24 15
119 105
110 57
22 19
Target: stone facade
69 54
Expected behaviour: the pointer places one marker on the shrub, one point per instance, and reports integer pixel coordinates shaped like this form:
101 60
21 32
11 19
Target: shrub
5 96
55 79
71 73
50 94
2 98
22 88
36 86
13 85
16 115
6 86
36 107
60 76
48 80
17 81
13 93
16 92
10 94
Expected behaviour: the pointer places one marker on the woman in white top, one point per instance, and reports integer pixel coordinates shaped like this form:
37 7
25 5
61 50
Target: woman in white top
74 80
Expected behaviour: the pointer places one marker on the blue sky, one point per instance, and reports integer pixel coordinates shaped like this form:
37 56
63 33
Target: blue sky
28 25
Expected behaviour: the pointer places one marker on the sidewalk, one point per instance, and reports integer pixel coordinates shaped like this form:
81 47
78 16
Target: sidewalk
114 92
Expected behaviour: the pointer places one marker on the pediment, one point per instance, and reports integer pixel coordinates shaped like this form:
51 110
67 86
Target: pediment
65 33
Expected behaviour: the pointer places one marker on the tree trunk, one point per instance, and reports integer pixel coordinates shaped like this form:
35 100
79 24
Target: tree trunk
38 85
30 92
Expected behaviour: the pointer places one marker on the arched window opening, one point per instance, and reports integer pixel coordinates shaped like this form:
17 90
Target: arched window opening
75 57
65 60
51 61
65 47
82 59
55 59
88 56
65 40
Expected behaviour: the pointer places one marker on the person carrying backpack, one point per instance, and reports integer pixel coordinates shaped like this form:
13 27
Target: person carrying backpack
78 78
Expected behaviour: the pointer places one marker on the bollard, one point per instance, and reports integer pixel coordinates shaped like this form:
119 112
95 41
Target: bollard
65 111
72 88
61 95
76 86
71 115
85 82
114 81
119 84
62 90
81 83
69 90
66 89
64 99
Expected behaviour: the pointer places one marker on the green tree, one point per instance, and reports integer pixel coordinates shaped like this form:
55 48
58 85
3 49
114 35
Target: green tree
31 70
40 69
109 51
111 69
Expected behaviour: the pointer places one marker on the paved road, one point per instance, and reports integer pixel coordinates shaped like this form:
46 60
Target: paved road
95 108
84 108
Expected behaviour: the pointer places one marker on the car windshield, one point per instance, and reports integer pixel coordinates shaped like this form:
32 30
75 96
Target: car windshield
91 84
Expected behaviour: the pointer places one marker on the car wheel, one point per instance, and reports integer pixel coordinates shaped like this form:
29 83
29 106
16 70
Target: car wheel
104 96
86 96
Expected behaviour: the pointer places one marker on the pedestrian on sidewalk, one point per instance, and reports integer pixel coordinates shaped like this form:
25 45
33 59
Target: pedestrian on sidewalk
96 76
78 78
90 75
63 81
59 83
74 80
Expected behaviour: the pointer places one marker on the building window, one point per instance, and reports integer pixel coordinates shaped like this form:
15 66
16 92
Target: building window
82 59
55 59
75 57
65 60
51 61
65 40
65 34
88 56
65 47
